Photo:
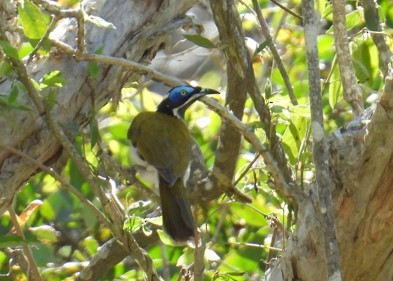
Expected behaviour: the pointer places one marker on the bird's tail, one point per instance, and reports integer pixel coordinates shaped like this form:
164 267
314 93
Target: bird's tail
176 211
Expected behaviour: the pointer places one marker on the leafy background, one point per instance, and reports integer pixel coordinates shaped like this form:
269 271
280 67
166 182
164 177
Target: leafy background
241 239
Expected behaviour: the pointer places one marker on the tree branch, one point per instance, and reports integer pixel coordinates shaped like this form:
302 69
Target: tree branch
352 91
61 180
225 11
266 33
289 190
320 150
373 23
32 269
113 211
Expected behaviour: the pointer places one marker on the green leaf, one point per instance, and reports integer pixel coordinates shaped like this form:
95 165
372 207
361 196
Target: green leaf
13 94
52 78
91 245
133 223
294 135
5 68
35 23
10 101
25 50
47 211
302 110
354 19
50 98
94 131
361 71
200 40
93 67
268 89
335 88
44 233
14 241
186 259
9 50
364 62
262 46
166 239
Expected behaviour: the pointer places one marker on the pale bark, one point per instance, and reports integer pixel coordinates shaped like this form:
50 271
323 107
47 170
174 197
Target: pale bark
360 153
141 27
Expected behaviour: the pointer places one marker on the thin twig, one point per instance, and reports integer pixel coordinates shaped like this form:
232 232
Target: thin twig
32 271
137 67
110 207
352 91
80 46
289 11
253 245
288 190
371 10
54 8
61 180
249 166
266 33
52 25
199 254
225 12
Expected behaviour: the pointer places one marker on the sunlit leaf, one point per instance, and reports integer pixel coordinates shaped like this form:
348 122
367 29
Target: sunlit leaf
44 233
133 223
91 245
52 78
24 50
354 19
9 50
294 135
335 88
186 259
300 109
47 211
35 23
165 238
211 255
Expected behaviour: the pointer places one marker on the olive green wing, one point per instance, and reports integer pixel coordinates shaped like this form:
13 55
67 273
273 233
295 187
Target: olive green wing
163 141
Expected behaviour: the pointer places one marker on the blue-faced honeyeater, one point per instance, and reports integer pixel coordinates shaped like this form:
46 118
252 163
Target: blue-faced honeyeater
161 140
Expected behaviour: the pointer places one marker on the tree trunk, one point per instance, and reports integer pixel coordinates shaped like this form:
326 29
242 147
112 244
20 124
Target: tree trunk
360 153
141 27
361 163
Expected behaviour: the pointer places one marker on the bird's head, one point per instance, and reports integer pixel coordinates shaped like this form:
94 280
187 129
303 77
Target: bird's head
180 98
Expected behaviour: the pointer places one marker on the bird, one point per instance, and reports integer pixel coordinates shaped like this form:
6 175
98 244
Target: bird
161 141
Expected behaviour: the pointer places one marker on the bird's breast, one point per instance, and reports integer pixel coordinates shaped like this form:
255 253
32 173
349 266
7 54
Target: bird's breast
163 142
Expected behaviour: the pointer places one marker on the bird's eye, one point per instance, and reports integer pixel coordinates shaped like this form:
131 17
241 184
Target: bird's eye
183 92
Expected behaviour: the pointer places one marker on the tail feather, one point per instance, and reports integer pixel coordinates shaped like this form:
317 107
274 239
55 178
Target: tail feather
176 211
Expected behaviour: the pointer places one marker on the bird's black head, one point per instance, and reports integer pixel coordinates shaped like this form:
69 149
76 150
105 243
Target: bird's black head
180 98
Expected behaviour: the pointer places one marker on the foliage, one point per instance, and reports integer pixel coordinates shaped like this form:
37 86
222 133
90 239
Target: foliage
242 238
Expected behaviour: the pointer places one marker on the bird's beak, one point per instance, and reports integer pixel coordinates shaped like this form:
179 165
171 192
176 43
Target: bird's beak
207 91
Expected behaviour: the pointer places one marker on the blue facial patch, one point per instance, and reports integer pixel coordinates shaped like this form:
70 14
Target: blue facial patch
180 94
